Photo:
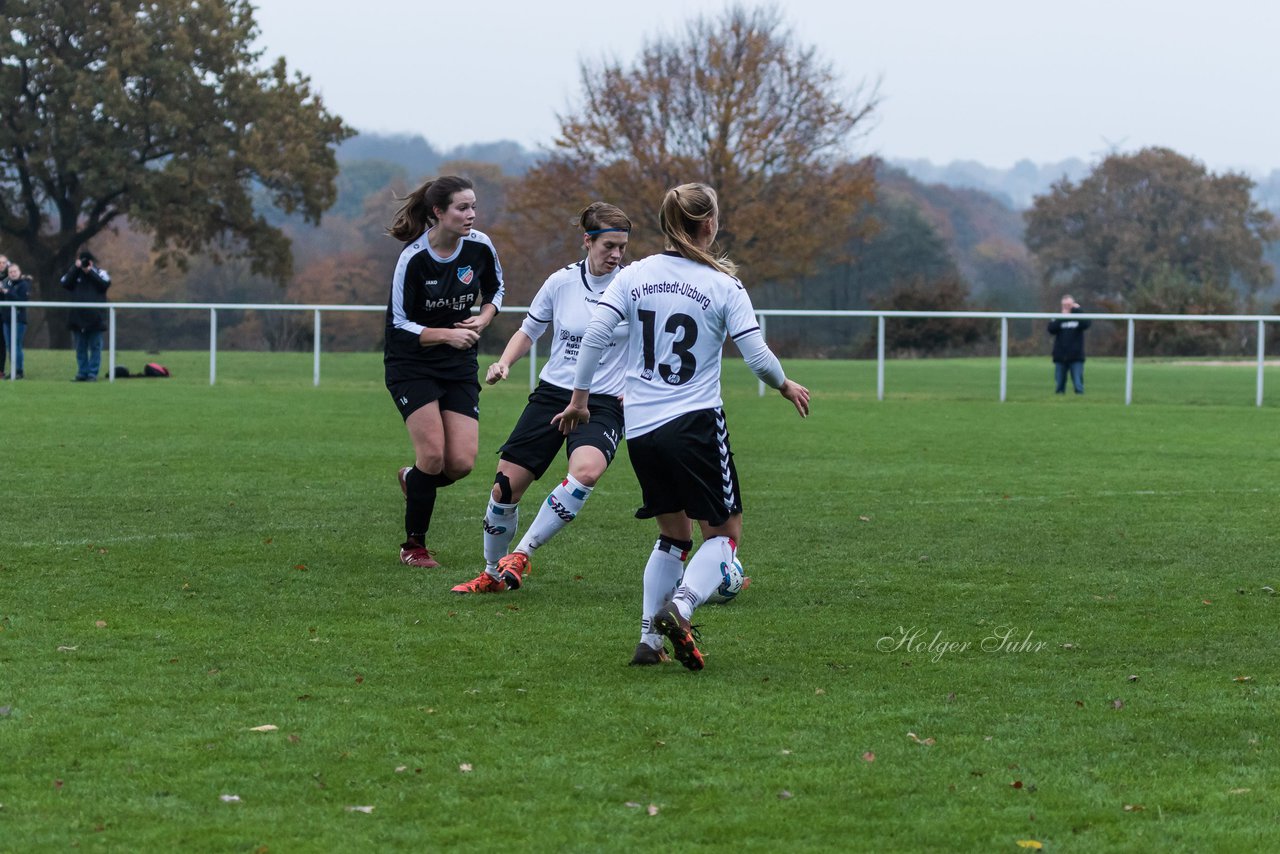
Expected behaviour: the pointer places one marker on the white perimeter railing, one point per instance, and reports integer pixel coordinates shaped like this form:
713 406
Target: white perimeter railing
763 314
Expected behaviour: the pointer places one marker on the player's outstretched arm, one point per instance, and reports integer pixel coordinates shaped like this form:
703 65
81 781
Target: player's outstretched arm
798 395
516 349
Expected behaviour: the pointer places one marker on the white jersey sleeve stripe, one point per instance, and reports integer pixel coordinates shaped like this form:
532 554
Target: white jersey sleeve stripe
398 317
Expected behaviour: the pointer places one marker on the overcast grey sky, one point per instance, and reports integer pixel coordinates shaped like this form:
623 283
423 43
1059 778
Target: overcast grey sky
989 80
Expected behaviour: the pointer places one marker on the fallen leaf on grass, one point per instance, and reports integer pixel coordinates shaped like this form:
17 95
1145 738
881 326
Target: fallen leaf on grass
918 740
301 567
864 518
1132 678
264 728
360 809
359 679
102 624
632 805
784 795
818 692
1030 843
1134 808
1236 791
653 809
67 648
229 799
868 757
1016 784
400 769
1117 704
1243 679
465 767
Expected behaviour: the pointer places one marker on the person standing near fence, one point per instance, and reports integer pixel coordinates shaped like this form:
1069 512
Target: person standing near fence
430 356
680 306
87 282
1068 347
14 287
564 303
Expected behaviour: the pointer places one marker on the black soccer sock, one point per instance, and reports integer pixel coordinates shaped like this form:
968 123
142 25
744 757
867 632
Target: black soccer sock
419 504
441 480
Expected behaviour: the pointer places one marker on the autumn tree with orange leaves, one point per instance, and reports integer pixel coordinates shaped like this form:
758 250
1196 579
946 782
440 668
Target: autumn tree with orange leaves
734 102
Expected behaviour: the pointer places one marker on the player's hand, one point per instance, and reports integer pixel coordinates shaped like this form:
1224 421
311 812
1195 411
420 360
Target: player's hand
798 395
497 373
461 338
569 420
476 322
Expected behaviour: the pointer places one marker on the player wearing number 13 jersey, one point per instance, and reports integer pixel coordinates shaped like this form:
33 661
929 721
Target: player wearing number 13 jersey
680 307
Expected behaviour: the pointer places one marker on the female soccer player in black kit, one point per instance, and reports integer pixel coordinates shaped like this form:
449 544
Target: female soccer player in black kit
446 269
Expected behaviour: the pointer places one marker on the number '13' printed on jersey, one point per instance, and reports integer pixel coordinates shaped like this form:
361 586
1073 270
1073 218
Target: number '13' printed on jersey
684 332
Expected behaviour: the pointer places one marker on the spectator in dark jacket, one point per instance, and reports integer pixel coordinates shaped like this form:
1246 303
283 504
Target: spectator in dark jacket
87 282
14 287
1068 347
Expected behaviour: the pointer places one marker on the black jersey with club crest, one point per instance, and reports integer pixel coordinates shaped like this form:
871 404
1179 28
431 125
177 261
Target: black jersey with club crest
431 291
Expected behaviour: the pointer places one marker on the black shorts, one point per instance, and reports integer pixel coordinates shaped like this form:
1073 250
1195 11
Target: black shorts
686 464
461 396
534 442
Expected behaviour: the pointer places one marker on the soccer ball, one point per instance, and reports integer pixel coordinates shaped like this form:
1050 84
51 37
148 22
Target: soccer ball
734 581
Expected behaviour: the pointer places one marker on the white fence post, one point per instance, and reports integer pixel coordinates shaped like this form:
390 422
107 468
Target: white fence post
13 343
1128 366
1004 357
880 357
213 346
1262 357
315 360
111 344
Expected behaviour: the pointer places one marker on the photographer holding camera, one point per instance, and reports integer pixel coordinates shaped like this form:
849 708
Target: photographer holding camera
87 282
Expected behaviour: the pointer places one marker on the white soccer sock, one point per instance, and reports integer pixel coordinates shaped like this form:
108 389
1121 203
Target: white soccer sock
661 575
704 574
561 507
500 522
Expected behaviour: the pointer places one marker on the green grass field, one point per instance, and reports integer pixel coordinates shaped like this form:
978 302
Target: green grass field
973 625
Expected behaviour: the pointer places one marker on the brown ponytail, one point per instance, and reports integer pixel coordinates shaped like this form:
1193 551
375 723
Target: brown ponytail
684 210
417 212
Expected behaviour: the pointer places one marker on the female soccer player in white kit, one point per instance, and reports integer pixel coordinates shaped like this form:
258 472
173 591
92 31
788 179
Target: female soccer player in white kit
564 304
680 306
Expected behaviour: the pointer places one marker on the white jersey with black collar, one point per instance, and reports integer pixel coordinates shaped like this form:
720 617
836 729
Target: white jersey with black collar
680 312
565 302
